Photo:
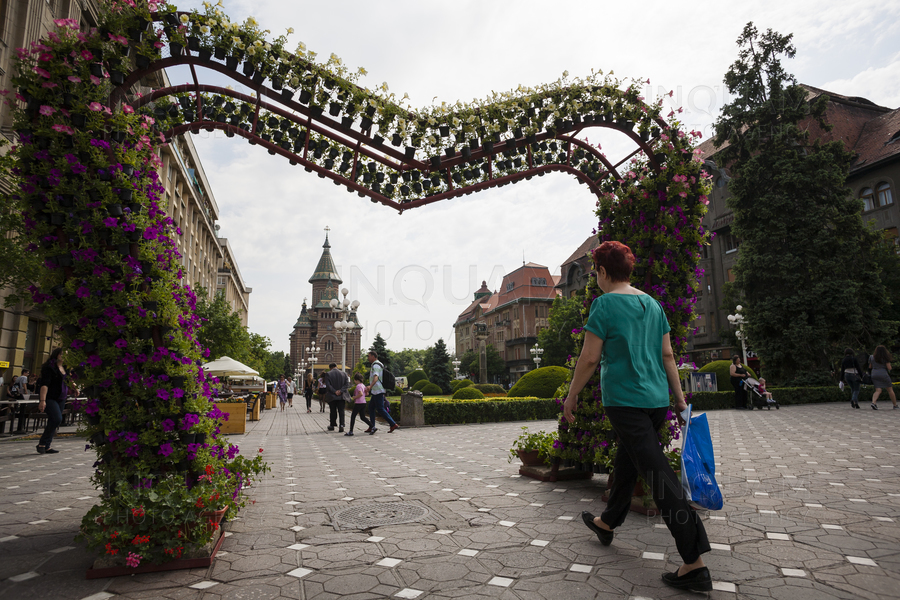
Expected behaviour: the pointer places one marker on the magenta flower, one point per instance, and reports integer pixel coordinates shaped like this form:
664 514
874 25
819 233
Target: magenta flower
46 110
133 560
165 449
168 425
83 292
42 72
132 451
121 343
162 394
95 106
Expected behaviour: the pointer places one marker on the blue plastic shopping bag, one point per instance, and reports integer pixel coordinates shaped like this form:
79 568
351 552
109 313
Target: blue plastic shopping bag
698 465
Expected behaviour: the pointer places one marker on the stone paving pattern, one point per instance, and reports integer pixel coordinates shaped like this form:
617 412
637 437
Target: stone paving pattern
812 510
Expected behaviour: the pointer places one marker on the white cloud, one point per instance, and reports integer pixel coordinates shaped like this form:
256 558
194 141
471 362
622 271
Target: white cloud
274 214
881 85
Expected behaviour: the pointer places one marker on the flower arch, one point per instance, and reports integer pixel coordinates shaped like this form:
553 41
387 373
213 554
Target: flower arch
85 175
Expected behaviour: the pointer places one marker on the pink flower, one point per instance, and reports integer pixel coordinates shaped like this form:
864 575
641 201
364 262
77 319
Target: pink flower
95 80
74 79
133 559
49 85
86 55
63 129
46 110
127 109
95 106
42 72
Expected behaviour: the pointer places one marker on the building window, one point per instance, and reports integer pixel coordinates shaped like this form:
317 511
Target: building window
539 281
729 243
884 194
510 286
868 199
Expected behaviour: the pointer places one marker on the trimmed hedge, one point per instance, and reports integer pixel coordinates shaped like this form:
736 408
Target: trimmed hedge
787 396
413 377
489 388
449 412
431 389
420 384
541 382
460 383
467 393
722 370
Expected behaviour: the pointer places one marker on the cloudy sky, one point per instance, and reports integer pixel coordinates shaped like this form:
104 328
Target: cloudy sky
414 273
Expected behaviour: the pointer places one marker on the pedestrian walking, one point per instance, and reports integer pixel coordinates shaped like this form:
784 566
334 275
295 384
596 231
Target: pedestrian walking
880 363
321 392
851 374
53 392
281 391
629 330
308 391
359 403
290 393
738 375
377 405
337 384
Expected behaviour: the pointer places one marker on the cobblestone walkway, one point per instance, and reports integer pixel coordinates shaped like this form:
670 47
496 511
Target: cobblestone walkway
812 510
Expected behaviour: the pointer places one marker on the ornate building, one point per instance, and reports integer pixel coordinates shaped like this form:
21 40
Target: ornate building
316 323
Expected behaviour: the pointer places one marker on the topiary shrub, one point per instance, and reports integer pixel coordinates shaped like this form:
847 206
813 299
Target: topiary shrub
459 383
414 377
467 393
723 377
489 388
431 389
541 383
420 384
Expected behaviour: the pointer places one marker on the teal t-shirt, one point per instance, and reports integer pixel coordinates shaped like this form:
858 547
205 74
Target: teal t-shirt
631 368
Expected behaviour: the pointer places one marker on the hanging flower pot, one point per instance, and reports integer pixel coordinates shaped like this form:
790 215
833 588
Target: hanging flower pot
305 96
114 210
347 122
316 110
219 53
258 78
466 152
142 62
134 236
232 62
488 147
136 208
396 140
394 178
175 48
450 151
435 162
125 196
365 124
410 152
645 136
370 111
404 189
204 55
277 83
123 249
193 43
445 130
116 77
117 136
96 69
248 68
334 109
377 140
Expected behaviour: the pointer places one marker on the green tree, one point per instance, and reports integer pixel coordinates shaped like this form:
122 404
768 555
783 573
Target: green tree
557 339
406 360
469 365
380 347
274 365
439 370
288 368
805 272
221 330
257 352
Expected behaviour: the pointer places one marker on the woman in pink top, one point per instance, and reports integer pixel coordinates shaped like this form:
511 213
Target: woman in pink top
359 403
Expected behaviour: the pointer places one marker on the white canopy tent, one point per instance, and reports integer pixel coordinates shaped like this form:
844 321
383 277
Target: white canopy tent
227 366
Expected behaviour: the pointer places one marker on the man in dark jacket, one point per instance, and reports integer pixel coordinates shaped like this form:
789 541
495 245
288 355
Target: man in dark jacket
336 385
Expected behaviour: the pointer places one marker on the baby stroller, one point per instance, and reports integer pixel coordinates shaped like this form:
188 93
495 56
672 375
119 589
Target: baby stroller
758 399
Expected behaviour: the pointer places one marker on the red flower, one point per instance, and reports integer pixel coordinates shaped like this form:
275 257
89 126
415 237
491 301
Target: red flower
138 512
199 503
111 550
260 449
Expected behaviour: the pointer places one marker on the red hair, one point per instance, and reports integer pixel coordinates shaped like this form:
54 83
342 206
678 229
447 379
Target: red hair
616 258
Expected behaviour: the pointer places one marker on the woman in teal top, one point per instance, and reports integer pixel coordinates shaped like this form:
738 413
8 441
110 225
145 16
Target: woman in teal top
627 335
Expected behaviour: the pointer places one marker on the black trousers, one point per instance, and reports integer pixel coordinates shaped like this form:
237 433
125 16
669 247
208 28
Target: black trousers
337 408
639 452
740 392
359 409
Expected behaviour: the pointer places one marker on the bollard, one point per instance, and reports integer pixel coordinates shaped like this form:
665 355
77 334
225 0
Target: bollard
412 410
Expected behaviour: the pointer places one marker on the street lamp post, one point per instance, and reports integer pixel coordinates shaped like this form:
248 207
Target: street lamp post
311 351
536 353
737 320
301 370
456 362
344 326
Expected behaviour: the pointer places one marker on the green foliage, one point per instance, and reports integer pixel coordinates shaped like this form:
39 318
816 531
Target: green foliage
496 366
467 393
557 340
489 388
486 411
21 267
807 269
459 383
469 364
361 367
287 367
414 377
785 396
384 355
421 383
438 367
541 382
407 360
221 330
542 441
722 369
431 389
812 379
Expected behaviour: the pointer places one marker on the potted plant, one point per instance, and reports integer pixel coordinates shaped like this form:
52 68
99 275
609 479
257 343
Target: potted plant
533 449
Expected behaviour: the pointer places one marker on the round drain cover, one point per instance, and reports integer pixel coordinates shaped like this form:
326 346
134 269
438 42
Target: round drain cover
378 514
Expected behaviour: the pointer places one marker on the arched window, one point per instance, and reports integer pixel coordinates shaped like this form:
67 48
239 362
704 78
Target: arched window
868 199
883 191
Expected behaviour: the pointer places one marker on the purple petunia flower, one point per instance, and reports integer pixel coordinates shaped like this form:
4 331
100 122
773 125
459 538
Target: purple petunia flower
165 449
168 425
132 451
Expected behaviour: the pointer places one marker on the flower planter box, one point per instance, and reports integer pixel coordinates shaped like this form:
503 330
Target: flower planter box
237 420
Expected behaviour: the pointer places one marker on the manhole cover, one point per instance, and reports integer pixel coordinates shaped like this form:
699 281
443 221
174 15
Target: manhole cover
376 515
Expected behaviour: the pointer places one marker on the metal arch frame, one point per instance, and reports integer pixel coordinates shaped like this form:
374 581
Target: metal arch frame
361 144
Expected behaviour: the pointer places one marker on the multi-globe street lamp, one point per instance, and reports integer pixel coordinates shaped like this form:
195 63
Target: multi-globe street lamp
737 320
344 308
456 362
536 353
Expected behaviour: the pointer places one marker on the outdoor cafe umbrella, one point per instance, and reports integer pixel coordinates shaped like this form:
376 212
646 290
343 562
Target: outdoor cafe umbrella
226 366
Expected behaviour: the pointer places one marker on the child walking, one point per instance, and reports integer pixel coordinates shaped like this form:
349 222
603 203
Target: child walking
359 403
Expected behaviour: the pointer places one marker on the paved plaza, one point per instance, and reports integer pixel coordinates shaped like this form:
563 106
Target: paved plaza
812 510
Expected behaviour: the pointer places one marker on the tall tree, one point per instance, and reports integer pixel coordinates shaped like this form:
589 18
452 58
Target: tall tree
557 339
221 330
805 271
380 347
274 366
496 366
438 368
406 360
287 367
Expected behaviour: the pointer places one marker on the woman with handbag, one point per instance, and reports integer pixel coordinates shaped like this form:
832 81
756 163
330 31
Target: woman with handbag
880 363
53 391
851 374
627 334
738 375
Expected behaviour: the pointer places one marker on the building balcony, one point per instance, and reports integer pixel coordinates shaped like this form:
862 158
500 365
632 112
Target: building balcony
528 341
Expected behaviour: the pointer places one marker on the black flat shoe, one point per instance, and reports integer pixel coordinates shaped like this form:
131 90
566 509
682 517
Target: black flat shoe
697 580
51 451
41 449
605 537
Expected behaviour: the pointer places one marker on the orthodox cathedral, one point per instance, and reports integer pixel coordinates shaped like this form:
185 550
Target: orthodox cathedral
316 322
